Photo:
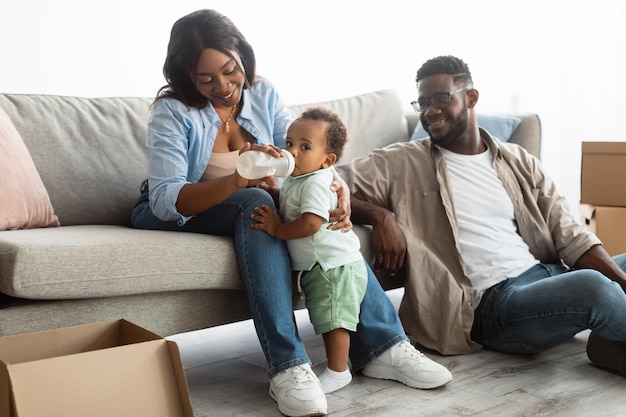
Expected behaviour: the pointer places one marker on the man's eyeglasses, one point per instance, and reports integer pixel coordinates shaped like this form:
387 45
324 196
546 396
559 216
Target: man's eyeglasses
438 101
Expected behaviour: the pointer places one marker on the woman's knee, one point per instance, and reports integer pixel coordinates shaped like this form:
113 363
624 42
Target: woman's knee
249 198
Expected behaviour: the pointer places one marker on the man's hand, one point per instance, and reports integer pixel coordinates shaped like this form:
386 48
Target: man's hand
598 258
387 237
389 244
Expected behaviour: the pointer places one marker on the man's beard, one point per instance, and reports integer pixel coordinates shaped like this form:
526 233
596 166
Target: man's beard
452 136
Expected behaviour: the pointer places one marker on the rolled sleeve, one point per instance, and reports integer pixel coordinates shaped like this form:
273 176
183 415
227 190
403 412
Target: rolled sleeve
169 128
542 213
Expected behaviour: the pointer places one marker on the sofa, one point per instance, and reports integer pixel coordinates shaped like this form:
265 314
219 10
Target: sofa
91 158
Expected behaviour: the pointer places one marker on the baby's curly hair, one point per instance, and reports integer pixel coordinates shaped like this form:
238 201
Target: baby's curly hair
336 134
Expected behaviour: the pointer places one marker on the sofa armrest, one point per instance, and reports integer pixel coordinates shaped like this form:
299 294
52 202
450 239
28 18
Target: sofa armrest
413 120
528 133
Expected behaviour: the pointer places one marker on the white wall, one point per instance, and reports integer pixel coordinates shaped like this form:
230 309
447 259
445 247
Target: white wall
563 59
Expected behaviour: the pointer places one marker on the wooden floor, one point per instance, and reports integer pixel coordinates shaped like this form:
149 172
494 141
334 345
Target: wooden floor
226 372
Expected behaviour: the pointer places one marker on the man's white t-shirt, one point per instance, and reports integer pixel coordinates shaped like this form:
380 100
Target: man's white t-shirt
491 248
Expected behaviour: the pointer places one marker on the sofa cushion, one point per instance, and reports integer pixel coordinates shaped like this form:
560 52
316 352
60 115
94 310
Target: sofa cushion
500 126
72 262
90 152
373 120
24 201
104 261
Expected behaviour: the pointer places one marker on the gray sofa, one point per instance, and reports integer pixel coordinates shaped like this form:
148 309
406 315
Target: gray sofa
91 156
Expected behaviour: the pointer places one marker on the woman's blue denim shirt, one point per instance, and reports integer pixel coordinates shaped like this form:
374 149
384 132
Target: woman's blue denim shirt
180 140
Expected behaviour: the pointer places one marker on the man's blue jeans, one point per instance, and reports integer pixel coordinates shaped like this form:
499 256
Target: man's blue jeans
547 305
266 272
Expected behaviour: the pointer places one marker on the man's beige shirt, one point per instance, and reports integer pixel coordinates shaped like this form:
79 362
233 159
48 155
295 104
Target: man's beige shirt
410 179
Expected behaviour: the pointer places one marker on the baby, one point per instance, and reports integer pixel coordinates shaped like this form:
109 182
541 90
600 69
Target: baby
332 271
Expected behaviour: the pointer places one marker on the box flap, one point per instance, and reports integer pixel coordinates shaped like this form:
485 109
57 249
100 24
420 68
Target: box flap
179 371
131 333
51 343
70 340
134 380
604 147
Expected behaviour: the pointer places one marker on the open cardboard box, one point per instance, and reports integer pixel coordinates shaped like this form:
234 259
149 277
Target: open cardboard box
108 369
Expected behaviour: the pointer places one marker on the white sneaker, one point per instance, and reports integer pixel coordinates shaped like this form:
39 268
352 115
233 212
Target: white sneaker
403 363
298 393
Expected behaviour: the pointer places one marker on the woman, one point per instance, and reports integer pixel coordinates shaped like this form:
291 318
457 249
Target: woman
212 108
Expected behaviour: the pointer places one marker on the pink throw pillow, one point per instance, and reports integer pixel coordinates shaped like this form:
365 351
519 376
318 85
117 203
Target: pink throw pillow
24 200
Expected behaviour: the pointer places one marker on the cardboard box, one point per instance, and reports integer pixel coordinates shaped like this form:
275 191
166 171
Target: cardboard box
603 174
113 368
609 224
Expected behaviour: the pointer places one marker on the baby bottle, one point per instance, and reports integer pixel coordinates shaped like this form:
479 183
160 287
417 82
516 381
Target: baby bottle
253 165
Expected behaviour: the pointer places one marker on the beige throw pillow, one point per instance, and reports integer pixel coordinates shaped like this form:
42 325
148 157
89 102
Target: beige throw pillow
24 200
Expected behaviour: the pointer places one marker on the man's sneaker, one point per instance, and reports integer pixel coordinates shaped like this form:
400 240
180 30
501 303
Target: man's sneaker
403 363
607 353
297 392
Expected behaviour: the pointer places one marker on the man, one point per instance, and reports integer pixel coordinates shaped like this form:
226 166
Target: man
493 257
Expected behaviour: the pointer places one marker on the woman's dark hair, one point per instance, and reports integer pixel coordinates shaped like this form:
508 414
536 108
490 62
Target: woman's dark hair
336 134
190 35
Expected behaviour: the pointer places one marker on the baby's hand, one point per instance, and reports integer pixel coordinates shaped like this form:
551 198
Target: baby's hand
267 219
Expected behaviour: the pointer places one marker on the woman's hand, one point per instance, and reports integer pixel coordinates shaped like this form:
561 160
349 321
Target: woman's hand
265 182
270 149
198 197
340 217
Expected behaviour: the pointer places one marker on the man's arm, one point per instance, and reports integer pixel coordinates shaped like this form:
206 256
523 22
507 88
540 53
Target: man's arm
598 258
387 238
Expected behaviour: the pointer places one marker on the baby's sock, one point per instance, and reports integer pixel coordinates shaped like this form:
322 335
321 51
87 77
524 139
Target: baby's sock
331 380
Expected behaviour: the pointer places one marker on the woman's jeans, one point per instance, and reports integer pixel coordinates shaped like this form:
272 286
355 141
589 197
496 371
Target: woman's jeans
547 305
266 272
